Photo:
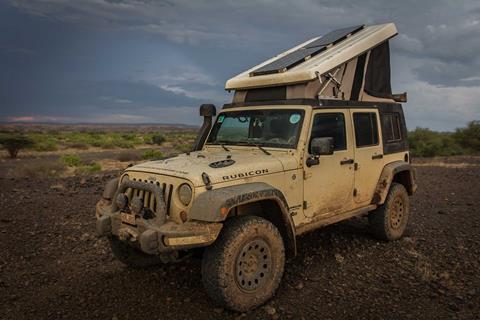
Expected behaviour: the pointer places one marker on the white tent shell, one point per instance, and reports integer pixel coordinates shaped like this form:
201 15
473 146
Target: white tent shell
337 60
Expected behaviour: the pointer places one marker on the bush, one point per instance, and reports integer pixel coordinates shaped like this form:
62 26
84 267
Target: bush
128 156
469 137
78 145
88 169
71 160
427 143
14 143
38 169
183 147
152 155
46 145
158 139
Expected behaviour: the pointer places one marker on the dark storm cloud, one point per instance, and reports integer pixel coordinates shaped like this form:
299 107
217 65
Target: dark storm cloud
189 48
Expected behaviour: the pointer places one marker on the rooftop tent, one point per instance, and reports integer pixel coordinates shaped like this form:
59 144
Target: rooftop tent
351 63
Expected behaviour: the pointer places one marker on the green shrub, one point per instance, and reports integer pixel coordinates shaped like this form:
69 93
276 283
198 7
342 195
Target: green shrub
128 156
48 144
78 145
427 143
469 137
183 147
38 169
158 139
152 155
71 160
87 169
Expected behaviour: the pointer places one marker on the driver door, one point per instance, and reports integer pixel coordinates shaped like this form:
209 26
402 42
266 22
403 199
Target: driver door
328 186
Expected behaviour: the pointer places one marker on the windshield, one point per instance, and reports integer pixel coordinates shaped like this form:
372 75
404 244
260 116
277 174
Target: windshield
266 128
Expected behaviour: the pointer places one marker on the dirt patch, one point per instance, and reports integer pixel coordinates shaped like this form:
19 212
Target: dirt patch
52 266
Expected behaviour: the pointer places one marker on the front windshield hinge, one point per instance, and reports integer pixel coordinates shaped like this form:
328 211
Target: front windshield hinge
261 148
207 181
224 148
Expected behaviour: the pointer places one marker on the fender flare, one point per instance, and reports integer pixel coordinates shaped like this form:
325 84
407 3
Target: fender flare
214 205
386 178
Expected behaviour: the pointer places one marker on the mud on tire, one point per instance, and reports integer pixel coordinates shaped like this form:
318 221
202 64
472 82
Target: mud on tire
389 221
131 256
244 267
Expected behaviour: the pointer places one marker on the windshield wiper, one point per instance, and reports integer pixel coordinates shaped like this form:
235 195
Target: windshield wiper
254 145
220 143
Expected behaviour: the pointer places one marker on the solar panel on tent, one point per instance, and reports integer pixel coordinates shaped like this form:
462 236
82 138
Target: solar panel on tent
334 36
298 56
287 62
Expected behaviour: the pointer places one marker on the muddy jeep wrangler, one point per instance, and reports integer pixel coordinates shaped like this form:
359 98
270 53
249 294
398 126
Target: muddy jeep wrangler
312 137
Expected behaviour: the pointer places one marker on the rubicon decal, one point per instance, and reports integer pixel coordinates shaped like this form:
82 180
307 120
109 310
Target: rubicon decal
245 174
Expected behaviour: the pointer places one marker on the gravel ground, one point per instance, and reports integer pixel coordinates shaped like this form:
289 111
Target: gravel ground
52 266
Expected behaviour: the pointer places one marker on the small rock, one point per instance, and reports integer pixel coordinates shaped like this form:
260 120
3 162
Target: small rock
299 286
444 275
452 306
408 240
270 310
57 187
218 310
339 258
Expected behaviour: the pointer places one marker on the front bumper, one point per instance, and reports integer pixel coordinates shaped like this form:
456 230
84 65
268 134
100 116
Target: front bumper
155 239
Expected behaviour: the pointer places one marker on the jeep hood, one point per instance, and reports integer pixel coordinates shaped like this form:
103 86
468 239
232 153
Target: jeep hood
245 164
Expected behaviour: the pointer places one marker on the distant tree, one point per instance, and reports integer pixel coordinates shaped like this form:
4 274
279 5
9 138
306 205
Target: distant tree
14 143
158 139
469 137
427 143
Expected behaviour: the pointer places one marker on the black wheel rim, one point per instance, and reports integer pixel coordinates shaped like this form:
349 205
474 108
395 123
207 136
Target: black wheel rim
253 265
397 213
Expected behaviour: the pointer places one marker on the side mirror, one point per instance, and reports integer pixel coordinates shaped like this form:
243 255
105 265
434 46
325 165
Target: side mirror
322 146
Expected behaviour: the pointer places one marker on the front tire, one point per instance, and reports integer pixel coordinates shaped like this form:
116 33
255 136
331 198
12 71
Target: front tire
244 267
131 256
389 221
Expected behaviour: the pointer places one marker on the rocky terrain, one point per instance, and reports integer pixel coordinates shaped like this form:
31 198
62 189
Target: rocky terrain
53 267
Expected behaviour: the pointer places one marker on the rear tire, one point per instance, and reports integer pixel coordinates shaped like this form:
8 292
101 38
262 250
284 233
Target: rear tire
243 268
389 221
131 256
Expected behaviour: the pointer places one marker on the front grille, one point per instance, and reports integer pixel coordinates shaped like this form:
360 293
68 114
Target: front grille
149 200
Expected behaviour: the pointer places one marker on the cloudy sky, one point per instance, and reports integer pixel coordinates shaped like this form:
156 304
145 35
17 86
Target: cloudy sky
134 61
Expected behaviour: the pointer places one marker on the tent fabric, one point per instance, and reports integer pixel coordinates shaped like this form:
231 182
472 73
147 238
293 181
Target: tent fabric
358 77
377 76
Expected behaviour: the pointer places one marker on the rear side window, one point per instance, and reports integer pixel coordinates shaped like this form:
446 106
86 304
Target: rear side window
392 127
330 125
366 129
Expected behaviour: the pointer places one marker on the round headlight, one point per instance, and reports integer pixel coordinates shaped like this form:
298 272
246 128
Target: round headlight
185 194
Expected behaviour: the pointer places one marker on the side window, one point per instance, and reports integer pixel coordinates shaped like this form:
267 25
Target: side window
330 125
366 129
392 127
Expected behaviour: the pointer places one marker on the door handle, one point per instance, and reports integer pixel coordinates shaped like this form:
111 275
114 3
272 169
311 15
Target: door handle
346 161
377 156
